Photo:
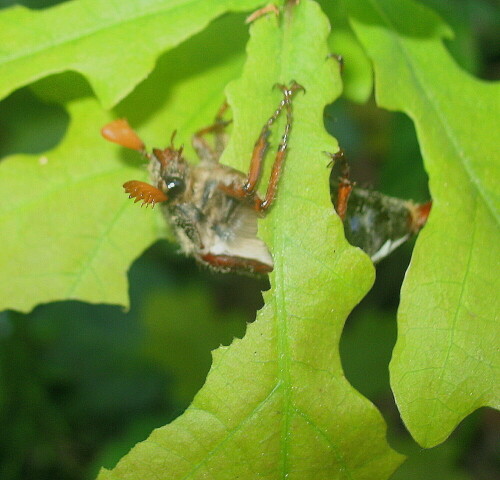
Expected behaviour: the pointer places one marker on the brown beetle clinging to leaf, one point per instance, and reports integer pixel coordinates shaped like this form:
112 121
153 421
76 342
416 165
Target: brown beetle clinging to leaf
212 208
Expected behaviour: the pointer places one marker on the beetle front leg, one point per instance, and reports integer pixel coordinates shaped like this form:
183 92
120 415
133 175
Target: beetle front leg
279 160
262 144
142 191
202 147
248 189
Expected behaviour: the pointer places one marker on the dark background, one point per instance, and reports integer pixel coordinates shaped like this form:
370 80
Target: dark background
81 384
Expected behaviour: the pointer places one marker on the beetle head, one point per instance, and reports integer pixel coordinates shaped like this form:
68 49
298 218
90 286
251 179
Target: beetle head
174 169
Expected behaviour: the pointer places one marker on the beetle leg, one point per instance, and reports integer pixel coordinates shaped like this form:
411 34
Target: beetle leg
202 147
279 160
236 191
258 154
345 185
261 145
229 263
248 189
262 11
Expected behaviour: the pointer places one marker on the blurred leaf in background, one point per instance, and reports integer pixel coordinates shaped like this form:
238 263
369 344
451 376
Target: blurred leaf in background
178 336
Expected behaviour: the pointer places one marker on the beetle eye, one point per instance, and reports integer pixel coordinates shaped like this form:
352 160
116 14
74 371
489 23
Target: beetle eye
175 186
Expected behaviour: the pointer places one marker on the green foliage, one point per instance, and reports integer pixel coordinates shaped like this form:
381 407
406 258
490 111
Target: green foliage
52 214
89 37
276 403
46 209
357 75
442 368
269 380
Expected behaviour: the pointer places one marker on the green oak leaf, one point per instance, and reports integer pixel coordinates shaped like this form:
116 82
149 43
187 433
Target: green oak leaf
445 363
67 233
113 44
357 72
276 403
71 233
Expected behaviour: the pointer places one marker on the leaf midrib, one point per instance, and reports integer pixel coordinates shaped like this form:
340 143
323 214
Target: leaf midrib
280 318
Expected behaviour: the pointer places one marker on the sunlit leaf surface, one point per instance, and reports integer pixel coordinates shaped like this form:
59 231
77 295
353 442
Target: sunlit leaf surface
113 44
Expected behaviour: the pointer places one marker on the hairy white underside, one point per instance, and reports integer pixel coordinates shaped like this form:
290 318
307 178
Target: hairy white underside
254 249
387 248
